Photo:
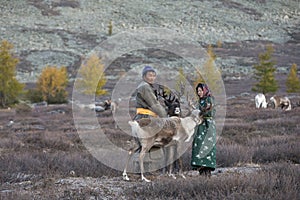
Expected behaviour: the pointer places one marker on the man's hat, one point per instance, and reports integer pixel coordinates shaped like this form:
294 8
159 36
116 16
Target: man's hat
147 69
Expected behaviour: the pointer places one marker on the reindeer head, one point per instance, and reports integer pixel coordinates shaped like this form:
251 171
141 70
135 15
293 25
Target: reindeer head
173 107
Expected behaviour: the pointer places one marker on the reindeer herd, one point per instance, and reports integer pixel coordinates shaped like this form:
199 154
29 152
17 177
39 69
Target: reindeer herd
275 102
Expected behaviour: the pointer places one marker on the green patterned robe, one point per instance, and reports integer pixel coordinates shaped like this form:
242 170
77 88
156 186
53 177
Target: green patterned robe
204 143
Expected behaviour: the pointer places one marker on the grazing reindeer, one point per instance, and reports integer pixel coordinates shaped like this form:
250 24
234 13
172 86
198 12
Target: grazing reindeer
282 102
161 132
109 105
112 106
260 101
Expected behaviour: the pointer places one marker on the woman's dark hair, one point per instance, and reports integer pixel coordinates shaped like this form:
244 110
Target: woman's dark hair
204 88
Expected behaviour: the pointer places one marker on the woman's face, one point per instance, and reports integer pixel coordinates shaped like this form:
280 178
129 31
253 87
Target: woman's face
150 77
200 92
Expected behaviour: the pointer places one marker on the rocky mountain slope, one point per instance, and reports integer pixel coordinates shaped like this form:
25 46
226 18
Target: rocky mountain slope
62 32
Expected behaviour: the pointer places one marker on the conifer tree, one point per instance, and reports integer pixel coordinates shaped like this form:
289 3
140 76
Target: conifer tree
264 72
110 28
209 73
52 84
10 87
92 77
293 82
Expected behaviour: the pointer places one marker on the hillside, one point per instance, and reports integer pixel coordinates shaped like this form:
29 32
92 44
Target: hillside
62 32
51 152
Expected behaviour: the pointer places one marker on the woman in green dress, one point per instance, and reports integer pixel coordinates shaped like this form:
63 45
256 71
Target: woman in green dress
204 143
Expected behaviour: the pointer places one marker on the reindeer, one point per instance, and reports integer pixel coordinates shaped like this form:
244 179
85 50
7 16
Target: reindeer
282 102
160 132
260 101
112 106
173 109
170 152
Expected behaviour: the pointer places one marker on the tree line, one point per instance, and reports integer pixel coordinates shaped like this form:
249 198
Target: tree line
53 80
264 73
51 84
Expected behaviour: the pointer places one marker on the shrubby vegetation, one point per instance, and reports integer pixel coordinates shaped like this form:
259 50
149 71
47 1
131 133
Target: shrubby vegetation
43 147
265 138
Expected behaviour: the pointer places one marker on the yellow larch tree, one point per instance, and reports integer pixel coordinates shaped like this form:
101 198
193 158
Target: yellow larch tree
52 84
209 73
293 82
92 77
10 87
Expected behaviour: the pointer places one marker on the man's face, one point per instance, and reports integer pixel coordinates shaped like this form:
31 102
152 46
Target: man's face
150 77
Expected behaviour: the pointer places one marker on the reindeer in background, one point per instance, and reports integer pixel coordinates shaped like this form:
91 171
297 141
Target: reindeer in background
282 102
260 101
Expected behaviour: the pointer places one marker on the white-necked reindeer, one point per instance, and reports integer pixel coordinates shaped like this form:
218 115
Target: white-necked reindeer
260 101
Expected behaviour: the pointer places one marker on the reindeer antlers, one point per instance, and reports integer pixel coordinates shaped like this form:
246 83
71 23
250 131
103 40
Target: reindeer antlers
164 92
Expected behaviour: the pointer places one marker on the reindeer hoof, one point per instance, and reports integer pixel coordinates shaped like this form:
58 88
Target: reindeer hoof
144 179
173 176
183 176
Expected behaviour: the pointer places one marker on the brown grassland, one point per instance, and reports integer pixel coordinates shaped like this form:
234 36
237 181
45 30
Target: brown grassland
42 157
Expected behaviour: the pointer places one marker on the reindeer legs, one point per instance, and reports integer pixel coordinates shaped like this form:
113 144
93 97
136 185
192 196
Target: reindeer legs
130 154
170 152
142 155
171 155
125 177
181 167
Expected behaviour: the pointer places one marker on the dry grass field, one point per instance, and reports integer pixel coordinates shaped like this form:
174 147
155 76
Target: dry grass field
42 157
